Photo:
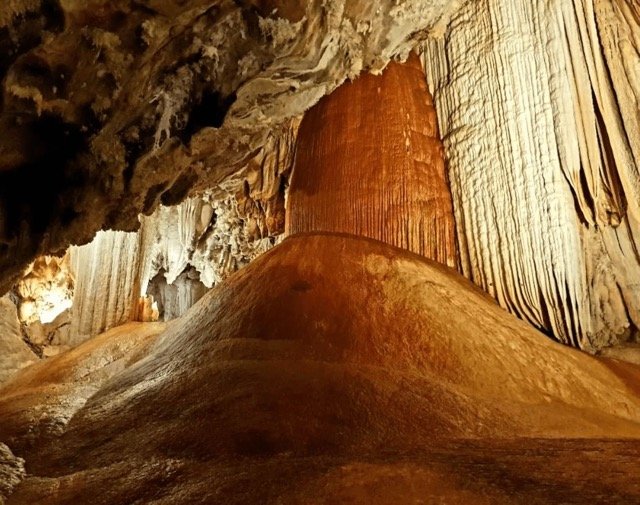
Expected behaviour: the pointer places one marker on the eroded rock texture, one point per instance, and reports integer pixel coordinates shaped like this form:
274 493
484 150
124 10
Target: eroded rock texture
116 106
184 250
11 471
369 162
391 380
14 352
538 106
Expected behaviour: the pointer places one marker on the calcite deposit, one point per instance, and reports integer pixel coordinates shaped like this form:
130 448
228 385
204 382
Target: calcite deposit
369 162
114 107
391 379
538 106
331 203
117 107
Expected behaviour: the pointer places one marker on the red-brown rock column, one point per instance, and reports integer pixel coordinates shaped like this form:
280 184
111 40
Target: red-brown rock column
369 162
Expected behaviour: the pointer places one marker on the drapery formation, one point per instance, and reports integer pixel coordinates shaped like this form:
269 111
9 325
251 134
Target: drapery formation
538 106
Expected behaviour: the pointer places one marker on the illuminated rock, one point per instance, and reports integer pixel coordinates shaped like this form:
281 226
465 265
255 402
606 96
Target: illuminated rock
369 162
331 367
538 106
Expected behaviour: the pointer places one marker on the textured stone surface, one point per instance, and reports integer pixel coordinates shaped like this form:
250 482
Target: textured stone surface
391 379
11 472
173 300
107 289
38 403
538 106
114 107
369 162
14 352
208 236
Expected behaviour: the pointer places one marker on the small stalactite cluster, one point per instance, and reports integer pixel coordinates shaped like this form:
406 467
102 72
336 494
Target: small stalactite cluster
369 162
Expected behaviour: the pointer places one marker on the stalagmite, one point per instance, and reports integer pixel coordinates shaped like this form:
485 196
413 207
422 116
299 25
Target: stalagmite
369 162
333 369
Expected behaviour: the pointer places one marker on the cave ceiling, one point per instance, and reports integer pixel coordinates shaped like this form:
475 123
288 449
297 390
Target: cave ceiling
110 108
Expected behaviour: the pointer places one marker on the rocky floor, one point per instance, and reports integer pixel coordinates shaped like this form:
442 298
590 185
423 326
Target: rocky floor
333 369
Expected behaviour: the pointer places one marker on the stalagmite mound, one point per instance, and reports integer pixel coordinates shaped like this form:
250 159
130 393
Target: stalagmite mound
336 368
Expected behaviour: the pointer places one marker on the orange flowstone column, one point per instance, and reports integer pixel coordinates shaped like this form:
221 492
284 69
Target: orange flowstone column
369 162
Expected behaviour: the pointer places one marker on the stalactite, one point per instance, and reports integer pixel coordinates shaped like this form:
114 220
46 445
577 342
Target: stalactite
369 162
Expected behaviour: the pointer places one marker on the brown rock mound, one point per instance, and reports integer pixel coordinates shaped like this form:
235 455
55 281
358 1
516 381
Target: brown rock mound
338 369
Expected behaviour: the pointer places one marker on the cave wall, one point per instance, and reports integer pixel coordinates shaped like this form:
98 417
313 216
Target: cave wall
118 107
538 107
176 256
14 352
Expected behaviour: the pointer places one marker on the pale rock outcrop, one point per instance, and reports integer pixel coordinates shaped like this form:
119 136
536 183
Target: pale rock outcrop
173 300
44 296
14 352
107 285
537 104
45 290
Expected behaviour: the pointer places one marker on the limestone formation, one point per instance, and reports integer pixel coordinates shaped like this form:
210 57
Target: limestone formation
391 379
160 100
14 352
347 362
114 107
369 162
538 106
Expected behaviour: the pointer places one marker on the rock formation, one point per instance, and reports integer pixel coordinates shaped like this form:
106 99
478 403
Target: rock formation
162 100
369 162
14 352
537 104
133 104
348 362
331 368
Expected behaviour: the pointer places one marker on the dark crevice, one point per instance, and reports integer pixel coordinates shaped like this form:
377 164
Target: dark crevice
31 193
26 32
53 15
610 174
152 196
134 149
176 193
209 111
